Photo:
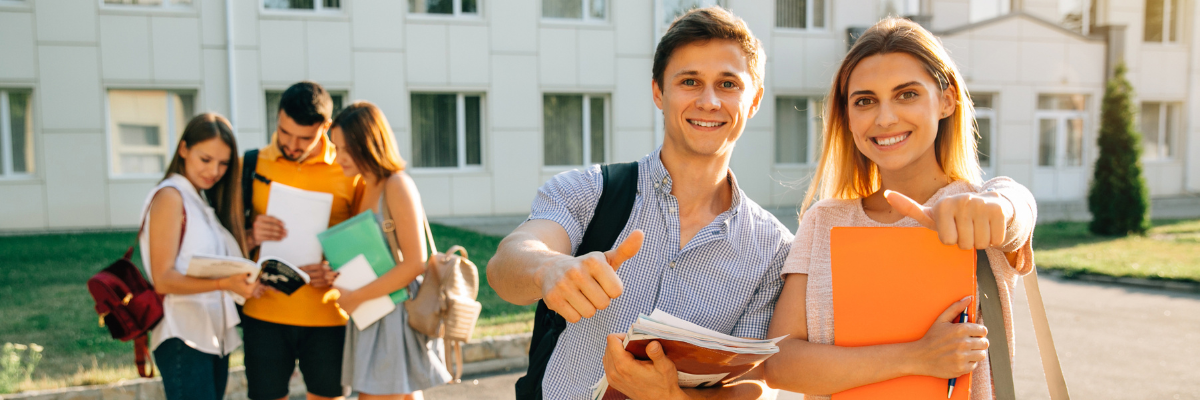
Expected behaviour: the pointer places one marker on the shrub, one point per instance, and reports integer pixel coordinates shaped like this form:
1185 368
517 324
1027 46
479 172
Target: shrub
15 369
1118 197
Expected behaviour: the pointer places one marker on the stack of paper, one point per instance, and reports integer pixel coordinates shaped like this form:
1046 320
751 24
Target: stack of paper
702 356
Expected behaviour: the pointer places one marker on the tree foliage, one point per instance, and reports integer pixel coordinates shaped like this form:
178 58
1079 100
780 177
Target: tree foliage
1118 197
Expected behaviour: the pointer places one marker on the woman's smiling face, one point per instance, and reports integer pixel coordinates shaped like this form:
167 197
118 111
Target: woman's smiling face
894 108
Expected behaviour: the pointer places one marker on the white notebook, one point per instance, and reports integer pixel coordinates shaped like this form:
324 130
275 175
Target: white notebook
355 274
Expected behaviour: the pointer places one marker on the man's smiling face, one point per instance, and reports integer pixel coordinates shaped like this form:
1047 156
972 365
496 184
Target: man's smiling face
706 97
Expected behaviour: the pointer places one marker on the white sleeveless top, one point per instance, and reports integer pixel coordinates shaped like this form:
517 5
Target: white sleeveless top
195 318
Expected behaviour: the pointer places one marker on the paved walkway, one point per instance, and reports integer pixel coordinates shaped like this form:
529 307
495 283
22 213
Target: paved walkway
1115 342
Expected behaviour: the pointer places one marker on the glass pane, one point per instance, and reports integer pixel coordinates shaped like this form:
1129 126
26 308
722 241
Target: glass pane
470 7
1154 21
273 99
332 4
288 4
1150 130
1074 142
431 6
674 8
141 164
474 128
985 141
435 130
20 116
818 13
1174 122
562 9
136 2
563 130
1046 135
1076 102
981 100
339 100
596 9
1171 21
790 14
597 129
791 130
139 135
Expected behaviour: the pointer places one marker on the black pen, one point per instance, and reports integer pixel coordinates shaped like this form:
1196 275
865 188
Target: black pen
950 392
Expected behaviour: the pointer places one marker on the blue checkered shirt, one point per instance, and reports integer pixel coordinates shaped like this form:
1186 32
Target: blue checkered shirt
726 278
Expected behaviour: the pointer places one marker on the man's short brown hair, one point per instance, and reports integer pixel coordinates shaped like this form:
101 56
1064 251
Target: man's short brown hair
703 24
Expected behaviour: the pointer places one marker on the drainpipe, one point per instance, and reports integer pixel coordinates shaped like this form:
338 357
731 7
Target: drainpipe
1187 141
233 119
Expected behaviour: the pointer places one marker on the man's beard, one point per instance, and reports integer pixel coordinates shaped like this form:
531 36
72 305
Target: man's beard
286 156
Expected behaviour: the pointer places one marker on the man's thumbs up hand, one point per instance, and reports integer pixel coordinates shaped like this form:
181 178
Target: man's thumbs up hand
968 220
576 287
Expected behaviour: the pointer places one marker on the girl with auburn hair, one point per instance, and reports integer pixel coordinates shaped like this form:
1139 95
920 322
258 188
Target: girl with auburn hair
388 359
196 209
899 150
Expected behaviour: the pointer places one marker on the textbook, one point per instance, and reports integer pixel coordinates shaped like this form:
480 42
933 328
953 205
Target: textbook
272 272
703 357
359 236
889 285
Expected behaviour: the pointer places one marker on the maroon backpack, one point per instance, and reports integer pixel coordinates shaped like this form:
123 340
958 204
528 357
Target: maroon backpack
128 305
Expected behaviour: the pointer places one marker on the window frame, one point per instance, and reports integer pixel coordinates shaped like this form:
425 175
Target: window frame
318 9
167 5
993 123
456 15
460 115
1165 155
606 98
1168 21
170 134
586 17
6 170
808 20
1060 140
814 126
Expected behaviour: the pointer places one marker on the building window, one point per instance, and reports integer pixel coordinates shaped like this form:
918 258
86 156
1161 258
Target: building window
985 124
444 7
800 14
273 97
314 5
144 127
586 10
1061 119
573 129
16 133
797 129
1162 21
447 130
672 9
1161 123
901 8
149 3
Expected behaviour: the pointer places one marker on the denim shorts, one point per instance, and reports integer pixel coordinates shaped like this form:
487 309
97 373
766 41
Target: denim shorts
189 374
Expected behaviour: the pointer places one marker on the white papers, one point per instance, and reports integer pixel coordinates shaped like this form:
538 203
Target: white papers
212 266
355 274
304 214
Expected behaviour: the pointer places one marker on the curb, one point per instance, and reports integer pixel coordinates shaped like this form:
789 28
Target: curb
1143 283
481 356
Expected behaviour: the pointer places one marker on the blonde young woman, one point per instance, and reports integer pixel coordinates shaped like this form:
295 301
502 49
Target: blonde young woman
899 150
387 360
200 199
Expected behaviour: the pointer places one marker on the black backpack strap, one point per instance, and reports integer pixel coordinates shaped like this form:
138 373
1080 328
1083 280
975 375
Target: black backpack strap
611 216
249 175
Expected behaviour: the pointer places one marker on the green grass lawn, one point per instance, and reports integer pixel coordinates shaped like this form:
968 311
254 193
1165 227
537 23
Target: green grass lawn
44 300
1170 250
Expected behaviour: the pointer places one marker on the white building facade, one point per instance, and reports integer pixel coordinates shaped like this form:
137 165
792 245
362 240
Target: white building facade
489 98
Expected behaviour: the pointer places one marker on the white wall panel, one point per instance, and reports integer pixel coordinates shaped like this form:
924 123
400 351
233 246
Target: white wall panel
75 180
515 100
125 200
470 61
245 22
379 78
328 51
759 17
1083 67
558 57
514 25
472 195
634 26
994 61
750 166
125 47
514 160
427 54
24 207
378 24
212 19
435 193
66 20
823 56
633 104
1043 63
71 97
786 62
596 57
176 48
17 46
282 54
250 101
631 144
216 84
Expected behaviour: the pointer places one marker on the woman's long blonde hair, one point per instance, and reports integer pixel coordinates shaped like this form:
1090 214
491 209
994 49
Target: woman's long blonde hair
845 173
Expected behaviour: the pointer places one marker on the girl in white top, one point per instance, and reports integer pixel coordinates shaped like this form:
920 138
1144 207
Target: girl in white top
899 150
200 199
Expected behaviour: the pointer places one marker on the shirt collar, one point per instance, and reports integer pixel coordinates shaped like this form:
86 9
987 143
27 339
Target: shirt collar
660 180
271 152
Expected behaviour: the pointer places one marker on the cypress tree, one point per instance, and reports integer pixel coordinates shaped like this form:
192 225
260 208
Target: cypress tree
1118 197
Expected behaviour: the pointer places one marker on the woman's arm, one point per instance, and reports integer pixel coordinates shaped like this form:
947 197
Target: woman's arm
947 350
404 204
165 230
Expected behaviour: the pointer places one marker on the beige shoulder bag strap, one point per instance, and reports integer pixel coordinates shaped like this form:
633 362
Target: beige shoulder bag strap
1002 372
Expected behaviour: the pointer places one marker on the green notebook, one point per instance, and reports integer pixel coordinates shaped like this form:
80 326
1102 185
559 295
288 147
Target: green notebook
360 235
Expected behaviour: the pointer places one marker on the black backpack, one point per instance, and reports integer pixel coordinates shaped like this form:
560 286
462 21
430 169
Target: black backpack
612 213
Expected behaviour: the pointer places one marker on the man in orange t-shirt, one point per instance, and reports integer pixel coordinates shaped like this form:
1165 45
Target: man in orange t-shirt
306 326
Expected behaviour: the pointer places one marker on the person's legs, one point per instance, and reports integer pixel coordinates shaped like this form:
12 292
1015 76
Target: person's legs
270 358
187 373
220 371
320 353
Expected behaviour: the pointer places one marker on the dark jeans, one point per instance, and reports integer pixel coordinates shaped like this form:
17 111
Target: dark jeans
189 374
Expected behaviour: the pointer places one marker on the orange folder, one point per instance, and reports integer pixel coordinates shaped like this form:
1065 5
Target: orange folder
889 285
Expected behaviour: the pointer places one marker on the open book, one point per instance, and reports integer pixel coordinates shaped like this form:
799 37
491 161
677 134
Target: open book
269 271
702 356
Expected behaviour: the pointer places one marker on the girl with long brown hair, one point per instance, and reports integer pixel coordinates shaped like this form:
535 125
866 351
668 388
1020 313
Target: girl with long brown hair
196 209
388 359
899 150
